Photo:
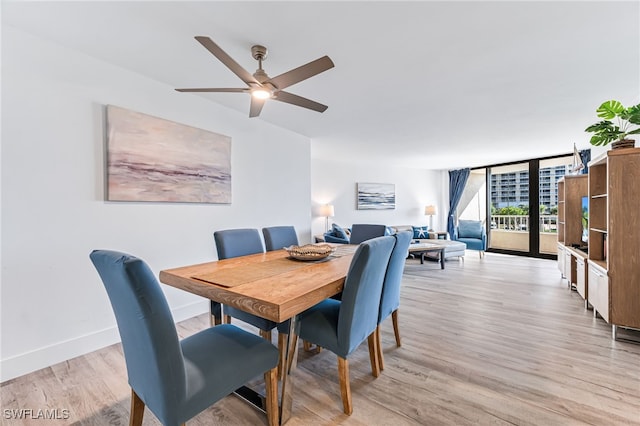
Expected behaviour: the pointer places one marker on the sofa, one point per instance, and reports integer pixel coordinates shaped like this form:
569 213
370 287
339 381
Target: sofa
420 233
340 235
355 235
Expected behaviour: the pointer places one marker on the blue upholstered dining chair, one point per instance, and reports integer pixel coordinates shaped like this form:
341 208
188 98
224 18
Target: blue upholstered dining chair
341 326
242 242
237 242
364 232
233 243
361 233
390 299
177 379
277 237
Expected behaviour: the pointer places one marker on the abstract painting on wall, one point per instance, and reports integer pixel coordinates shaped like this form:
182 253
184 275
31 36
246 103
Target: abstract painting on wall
376 196
152 159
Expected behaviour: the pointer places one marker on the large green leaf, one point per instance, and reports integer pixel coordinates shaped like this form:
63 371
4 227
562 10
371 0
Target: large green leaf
610 109
604 132
602 126
600 140
632 114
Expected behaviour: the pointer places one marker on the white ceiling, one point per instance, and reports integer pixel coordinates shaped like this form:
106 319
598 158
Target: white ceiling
422 84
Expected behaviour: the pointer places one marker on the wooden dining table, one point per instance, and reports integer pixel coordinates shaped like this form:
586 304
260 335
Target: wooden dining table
271 285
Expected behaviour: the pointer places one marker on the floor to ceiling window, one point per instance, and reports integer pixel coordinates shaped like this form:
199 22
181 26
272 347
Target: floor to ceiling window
509 210
517 203
551 171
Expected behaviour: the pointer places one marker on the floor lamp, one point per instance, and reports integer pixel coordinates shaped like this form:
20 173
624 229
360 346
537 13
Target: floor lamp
430 211
327 211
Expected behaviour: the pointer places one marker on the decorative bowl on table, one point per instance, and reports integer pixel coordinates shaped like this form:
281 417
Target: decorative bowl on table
310 251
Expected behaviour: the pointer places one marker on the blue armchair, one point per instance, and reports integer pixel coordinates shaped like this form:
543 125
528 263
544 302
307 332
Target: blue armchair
473 234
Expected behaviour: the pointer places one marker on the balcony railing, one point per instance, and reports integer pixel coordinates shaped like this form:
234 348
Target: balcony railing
511 232
548 223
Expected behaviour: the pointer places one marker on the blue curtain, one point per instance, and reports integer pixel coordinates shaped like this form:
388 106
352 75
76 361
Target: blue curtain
457 181
585 156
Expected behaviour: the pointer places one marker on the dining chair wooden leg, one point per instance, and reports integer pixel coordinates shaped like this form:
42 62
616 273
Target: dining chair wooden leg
282 348
396 329
345 387
373 355
308 347
266 335
271 388
214 320
137 410
379 348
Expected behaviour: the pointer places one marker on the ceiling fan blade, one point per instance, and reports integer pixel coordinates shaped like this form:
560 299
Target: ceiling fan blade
227 60
204 89
256 106
303 72
290 98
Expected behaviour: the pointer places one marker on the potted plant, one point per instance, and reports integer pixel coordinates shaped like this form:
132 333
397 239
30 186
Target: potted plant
606 131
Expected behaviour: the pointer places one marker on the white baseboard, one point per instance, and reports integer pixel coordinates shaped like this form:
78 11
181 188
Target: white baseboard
46 356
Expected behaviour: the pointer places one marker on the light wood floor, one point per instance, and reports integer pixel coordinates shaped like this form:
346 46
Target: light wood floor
496 341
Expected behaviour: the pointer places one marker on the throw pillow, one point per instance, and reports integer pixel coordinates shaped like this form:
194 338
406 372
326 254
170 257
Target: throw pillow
337 231
469 229
420 232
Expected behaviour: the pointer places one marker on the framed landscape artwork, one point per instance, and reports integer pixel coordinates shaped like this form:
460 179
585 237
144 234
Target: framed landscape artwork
152 159
376 196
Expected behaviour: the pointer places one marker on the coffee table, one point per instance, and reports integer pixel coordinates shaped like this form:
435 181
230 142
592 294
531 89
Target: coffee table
422 249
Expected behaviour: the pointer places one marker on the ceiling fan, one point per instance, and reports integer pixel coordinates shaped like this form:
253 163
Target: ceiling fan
261 86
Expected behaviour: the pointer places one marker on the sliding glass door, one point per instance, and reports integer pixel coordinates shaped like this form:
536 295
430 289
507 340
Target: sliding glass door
509 211
518 204
551 171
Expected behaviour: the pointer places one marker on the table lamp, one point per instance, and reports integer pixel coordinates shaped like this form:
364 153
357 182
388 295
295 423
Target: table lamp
327 211
430 211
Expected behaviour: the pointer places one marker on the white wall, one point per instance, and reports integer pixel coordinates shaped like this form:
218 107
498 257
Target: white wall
334 182
53 214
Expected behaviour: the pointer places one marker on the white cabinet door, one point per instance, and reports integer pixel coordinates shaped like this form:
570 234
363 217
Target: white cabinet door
581 278
561 259
598 293
567 268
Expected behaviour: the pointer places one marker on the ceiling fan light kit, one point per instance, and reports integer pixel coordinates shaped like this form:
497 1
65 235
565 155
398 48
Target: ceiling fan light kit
261 93
262 87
